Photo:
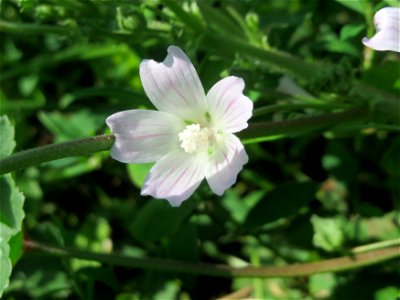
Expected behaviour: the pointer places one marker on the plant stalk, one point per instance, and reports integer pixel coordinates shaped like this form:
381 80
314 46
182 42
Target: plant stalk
295 126
330 265
36 156
87 146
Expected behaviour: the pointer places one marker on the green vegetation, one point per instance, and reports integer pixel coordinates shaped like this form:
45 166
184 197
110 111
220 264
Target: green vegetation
313 215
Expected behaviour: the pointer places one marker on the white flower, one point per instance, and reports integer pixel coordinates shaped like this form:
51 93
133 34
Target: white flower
387 37
191 136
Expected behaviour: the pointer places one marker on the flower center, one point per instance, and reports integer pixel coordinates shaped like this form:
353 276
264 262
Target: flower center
194 138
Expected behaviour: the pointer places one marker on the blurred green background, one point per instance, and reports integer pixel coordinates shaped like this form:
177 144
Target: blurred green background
68 64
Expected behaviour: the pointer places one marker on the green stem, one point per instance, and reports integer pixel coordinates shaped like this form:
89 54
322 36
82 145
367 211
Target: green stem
377 245
330 265
31 28
295 126
43 154
255 131
294 106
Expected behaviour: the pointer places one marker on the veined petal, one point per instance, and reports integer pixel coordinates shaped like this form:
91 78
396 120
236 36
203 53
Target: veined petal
143 136
175 177
173 85
387 37
225 164
228 107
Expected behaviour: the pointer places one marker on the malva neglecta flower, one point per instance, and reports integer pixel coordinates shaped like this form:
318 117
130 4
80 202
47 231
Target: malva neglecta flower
387 36
190 137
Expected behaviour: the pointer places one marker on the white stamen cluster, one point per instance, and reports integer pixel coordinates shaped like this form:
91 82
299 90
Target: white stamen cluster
194 138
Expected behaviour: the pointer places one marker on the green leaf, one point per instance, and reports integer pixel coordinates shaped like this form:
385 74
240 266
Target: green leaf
7 143
321 285
350 31
219 20
339 46
16 250
383 76
157 219
11 210
124 95
183 245
80 124
138 172
390 292
328 233
5 261
356 5
41 276
394 3
239 207
282 202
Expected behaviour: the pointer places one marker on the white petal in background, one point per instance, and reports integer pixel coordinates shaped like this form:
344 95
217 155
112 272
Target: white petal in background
144 136
387 36
288 86
175 177
174 86
225 164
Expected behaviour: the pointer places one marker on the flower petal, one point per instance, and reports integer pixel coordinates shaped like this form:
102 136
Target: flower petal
387 37
144 135
228 107
173 85
175 177
225 164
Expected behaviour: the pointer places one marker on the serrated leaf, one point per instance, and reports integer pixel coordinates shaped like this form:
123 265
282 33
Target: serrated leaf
11 210
5 261
11 216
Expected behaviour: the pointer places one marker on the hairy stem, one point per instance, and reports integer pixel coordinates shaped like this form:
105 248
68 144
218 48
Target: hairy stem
295 126
261 130
330 265
51 152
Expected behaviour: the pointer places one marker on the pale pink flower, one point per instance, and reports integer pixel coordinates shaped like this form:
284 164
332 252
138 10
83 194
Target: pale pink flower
387 36
190 137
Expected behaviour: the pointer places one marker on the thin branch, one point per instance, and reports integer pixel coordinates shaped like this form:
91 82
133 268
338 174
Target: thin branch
51 152
330 265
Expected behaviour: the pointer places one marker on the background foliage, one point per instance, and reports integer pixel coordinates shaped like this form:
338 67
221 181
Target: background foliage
67 65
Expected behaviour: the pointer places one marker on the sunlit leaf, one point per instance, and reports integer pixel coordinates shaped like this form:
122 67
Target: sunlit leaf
138 172
11 210
328 233
7 143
